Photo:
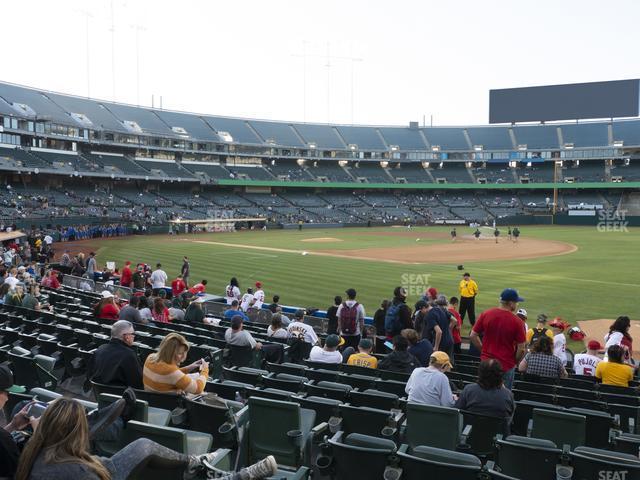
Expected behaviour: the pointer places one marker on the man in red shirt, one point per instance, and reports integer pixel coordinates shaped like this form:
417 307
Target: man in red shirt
455 331
178 286
198 288
503 337
125 278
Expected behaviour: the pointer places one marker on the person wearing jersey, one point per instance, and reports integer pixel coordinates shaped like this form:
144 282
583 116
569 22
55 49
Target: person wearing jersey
126 277
477 234
456 330
398 316
619 335
300 330
246 300
559 339
516 234
453 234
363 358
468 292
496 234
178 286
258 297
198 287
522 315
232 292
533 334
350 320
586 363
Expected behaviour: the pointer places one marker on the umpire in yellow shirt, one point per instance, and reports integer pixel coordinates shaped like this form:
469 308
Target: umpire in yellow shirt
468 292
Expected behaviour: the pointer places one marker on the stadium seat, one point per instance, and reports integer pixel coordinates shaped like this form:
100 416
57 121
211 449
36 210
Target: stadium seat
593 463
32 372
374 399
206 418
369 421
560 427
322 365
284 381
369 455
281 429
325 408
484 429
392 386
167 401
244 357
437 464
627 443
248 375
320 375
99 388
432 426
629 417
358 381
229 389
290 368
524 413
599 426
515 456
337 391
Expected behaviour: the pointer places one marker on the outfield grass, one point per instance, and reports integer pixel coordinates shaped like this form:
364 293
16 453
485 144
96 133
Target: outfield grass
597 281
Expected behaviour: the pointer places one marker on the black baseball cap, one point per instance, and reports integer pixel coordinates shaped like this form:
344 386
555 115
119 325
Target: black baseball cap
6 381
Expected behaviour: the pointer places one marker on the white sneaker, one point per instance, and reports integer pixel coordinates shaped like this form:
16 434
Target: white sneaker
262 469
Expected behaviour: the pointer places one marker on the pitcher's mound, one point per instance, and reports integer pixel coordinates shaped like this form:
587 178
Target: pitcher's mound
321 240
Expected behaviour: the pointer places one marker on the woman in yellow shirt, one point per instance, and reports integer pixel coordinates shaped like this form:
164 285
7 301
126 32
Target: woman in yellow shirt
614 371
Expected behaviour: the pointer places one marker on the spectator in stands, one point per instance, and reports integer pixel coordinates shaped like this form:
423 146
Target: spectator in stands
247 300
300 330
363 358
542 362
15 295
350 319
159 312
9 452
533 334
30 299
378 317
430 386
4 291
126 277
503 337
558 327
275 330
586 363
92 265
619 335
275 304
234 310
116 363
158 279
614 371
50 280
332 317
106 308
487 396
194 313
398 316
130 311
399 360
145 311
438 326
178 286
60 449
238 337
258 296
422 308
138 279
419 348
232 292
176 311
198 288
162 373
456 329
329 353
185 270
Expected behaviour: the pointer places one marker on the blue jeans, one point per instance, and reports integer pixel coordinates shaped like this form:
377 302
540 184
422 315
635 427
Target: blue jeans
508 376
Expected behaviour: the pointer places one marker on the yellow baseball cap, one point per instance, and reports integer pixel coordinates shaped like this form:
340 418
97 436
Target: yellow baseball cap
441 358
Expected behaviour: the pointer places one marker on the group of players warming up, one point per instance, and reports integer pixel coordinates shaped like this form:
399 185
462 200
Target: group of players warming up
512 233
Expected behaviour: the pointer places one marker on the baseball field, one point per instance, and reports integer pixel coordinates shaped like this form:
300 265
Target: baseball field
578 273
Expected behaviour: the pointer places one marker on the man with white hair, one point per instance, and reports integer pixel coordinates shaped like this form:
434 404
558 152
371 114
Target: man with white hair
116 362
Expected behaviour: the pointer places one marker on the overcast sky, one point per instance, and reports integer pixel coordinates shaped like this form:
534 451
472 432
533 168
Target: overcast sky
406 60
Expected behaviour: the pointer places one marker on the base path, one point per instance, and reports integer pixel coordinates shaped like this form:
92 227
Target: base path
463 250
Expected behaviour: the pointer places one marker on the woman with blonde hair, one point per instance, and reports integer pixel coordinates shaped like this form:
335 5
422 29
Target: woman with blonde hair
59 450
162 372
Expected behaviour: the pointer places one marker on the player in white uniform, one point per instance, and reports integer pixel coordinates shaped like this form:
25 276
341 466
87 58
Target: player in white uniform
586 363
299 329
247 300
232 292
258 297
559 340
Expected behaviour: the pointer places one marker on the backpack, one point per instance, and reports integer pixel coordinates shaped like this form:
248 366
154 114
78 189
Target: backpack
348 319
392 318
537 334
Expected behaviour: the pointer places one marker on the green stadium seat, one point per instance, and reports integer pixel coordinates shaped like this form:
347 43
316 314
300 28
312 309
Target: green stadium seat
228 388
627 443
392 386
515 456
206 418
484 429
374 399
281 429
337 391
358 381
599 426
432 426
560 427
593 463
369 421
325 408
285 381
524 412
290 368
356 457
252 376
167 401
322 375
272 393
437 464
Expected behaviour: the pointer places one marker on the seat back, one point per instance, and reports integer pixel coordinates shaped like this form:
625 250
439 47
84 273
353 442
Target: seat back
298 350
173 438
325 408
527 458
560 427
433 426
364 420
599 425
595 463
369 454
167 401
484 429
524 413
284 381
269 422
242 357
206 418
244 374
374 399
336 391
437 464
99 388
